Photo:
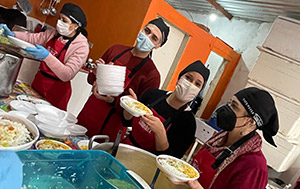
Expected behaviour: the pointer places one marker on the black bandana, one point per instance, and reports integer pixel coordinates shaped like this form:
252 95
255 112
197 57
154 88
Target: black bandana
199 67
75 13
162 27
261 107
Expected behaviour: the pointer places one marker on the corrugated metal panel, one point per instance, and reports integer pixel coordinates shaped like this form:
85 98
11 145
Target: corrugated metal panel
259 10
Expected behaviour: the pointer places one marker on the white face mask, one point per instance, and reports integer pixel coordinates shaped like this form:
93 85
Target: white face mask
63 28
185 91
143 43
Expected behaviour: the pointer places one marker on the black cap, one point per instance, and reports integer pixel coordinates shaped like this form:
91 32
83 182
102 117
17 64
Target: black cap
164 29
75 13
199 67
261 107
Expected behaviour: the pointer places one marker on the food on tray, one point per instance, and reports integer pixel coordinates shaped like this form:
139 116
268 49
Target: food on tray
13 133
137 106
121 184
5 40
51 145
177 167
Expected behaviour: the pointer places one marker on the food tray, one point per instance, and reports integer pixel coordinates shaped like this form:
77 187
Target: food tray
73 168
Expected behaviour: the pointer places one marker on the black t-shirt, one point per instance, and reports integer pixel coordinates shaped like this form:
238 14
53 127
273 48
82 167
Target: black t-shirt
12 17
183 126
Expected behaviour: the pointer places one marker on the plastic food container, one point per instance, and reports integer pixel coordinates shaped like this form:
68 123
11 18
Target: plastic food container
74 169
173 173
134 110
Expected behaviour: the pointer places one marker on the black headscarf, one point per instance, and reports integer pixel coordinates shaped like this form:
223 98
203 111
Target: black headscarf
76 15
199 67
164 29
261 107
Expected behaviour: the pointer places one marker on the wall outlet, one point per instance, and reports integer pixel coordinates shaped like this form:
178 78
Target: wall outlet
203 130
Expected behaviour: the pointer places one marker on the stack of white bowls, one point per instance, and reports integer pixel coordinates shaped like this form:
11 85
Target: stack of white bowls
110 79
57 123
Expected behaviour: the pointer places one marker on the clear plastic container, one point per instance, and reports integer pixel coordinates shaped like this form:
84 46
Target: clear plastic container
73 169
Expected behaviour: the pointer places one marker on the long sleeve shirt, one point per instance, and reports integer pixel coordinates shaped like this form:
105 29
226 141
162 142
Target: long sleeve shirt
75 56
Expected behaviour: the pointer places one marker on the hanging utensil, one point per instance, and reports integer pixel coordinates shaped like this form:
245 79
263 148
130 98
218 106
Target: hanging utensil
52 9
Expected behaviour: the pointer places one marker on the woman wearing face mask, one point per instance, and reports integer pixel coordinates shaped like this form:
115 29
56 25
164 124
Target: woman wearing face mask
233 157
62 51
171 128
102 114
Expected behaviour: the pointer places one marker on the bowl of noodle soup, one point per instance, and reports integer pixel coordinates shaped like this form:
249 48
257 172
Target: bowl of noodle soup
16 133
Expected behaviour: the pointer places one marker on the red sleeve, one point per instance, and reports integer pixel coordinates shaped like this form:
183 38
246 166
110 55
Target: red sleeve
248 171
106 56
249 179
151 82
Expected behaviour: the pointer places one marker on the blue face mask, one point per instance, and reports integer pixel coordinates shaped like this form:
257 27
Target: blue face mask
143 43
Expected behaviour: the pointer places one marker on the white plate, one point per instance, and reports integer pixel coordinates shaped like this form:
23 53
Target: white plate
32 99
19 42
23 106
124 100
29 125
54 142
166 169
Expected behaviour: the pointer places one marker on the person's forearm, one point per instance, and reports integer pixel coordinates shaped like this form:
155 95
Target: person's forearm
161 141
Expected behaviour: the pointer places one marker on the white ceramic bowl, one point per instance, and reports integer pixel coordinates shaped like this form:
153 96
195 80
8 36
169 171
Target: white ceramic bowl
30 126
23 106
172 175
124 100
52 142
19 42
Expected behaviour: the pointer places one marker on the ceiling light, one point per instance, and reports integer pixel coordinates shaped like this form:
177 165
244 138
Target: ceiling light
213 17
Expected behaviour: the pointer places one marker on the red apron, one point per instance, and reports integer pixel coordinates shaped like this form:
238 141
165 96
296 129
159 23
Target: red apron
141 135
46 83
100 117
95 119
203 161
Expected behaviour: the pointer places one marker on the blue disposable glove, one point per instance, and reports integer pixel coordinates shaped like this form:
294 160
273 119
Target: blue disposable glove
6 31
11 170
39 52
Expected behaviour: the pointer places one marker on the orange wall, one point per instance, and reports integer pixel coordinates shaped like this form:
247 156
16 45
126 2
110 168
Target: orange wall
110 21
36 13
199 46
119 21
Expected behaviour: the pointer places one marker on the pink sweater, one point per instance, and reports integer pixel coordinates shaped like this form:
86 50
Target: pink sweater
75 57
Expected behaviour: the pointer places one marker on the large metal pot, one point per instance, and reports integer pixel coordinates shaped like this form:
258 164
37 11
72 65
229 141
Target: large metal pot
140 161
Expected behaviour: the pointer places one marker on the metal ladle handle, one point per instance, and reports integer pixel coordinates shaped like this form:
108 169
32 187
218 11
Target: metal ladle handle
105 137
